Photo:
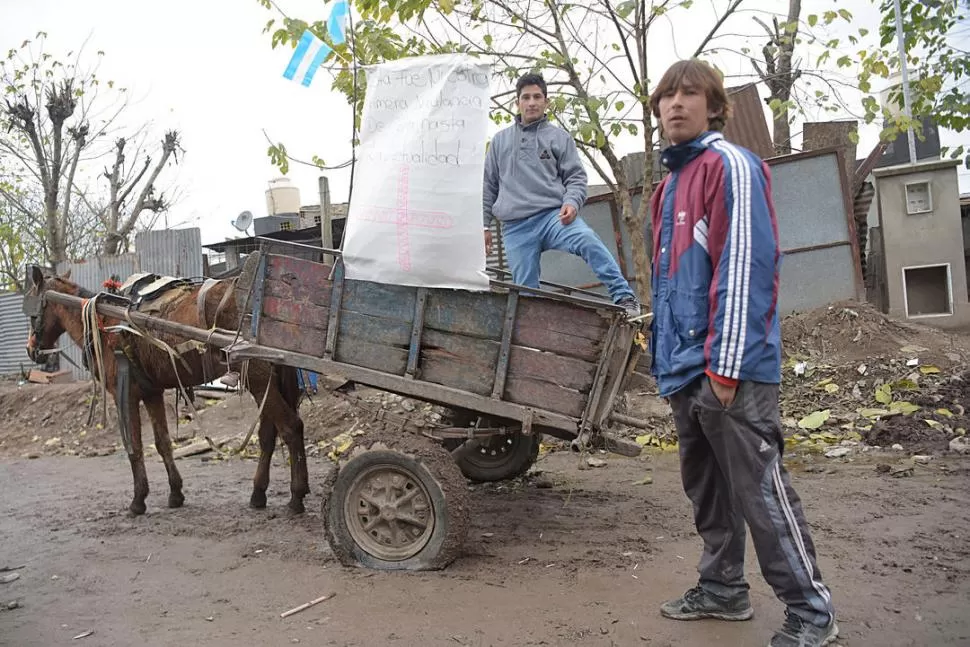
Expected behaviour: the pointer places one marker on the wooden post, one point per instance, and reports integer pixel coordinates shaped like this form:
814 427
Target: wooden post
232 257
326 228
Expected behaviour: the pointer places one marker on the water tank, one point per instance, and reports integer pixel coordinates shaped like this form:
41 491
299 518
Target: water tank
282 198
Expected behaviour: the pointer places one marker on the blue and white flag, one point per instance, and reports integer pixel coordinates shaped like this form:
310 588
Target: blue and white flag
337 23
311 52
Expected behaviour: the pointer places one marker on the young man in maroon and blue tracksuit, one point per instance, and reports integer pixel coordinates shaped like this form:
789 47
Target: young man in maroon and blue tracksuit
716 347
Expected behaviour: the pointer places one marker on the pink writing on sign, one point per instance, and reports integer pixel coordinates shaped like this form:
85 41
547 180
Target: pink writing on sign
405 218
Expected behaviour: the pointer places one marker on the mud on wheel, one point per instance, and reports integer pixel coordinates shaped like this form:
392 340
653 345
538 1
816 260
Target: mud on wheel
398 504
495 458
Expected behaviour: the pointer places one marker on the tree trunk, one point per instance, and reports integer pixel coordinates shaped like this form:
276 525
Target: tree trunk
112 242
781 133
57 245
636 230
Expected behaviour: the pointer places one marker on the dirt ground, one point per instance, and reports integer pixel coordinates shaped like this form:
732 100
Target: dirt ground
566 556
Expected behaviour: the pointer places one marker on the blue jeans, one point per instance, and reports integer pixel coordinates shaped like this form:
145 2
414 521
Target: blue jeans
526 239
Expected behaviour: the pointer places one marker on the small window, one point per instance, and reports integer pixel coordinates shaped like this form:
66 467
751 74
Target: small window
286 226
918 198
317 220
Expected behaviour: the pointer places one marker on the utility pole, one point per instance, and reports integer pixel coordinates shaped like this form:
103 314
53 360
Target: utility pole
901 43
326 228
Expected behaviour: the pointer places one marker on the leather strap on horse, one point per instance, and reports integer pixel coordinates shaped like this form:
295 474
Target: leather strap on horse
207 368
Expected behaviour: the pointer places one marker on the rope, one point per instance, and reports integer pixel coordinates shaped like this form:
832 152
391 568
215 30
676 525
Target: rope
92 329
259 414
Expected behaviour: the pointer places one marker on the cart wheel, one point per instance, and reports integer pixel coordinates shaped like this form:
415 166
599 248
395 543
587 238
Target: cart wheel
495 458
400 507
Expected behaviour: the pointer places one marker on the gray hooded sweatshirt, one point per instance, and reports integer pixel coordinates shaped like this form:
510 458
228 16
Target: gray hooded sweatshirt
531 169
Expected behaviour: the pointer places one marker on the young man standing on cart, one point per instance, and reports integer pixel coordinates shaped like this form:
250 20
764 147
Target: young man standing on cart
535 184
716 347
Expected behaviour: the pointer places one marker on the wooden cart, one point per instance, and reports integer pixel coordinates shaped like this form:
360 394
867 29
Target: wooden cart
512 363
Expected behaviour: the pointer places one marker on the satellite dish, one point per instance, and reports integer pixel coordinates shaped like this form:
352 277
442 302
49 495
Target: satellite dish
243 221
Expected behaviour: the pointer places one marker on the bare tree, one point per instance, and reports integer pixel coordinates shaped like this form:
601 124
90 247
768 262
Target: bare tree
780 73
122 213
56 124
52 116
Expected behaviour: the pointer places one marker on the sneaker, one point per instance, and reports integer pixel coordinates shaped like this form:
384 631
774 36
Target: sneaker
698 604
798 632
631 305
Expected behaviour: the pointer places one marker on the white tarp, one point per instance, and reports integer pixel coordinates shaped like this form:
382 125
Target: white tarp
416 213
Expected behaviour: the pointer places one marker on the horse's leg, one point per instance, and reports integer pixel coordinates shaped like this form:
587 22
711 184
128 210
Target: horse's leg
290 428
137 456
155 404
299 478
290 390
267 443
282 411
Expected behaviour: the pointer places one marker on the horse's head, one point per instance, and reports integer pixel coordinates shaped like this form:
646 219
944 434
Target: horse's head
45 328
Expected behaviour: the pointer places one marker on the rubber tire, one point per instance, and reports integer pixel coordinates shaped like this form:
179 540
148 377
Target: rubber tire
429 463
517 462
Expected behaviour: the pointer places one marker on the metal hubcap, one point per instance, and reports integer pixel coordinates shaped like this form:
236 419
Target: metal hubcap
389 513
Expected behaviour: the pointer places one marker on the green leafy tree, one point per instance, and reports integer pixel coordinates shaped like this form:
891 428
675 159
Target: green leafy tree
594 56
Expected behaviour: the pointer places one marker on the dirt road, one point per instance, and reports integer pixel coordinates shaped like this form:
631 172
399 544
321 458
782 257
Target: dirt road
585 562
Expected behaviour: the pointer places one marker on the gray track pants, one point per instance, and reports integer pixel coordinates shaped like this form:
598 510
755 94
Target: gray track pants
731 466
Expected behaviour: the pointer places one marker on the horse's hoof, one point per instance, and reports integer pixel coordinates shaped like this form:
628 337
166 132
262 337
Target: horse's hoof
137 508
296 506
257 500
176 499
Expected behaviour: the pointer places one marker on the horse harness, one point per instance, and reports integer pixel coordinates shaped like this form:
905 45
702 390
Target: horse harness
144 292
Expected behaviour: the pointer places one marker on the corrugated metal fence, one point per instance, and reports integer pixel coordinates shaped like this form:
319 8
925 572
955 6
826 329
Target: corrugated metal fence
92 274
176 252
16 328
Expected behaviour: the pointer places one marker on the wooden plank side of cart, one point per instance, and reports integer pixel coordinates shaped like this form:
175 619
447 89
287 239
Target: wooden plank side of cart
505 354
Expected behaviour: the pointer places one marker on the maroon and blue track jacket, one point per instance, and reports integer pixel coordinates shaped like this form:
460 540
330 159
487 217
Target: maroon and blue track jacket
716 261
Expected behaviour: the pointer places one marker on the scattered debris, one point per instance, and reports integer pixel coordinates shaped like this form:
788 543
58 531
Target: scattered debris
307 605
592 461
960 444
43 377
900 471
7 578
838 452
83 635
897 447
202 446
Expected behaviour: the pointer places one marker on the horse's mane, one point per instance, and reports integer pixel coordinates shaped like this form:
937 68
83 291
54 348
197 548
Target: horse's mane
71 287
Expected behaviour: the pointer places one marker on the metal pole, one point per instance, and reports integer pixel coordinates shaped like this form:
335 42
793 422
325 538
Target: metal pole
900 41
326 228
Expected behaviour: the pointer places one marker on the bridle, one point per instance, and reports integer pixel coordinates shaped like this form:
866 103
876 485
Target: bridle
34 306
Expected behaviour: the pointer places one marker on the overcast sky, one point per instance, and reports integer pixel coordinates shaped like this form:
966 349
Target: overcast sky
205 68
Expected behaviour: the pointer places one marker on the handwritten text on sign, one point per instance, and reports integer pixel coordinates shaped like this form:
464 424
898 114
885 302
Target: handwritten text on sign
415 218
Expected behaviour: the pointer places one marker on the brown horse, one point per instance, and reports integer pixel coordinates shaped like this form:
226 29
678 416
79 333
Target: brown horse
276 387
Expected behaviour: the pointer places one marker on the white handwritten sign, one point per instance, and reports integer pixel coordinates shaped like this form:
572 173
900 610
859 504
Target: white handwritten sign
416 213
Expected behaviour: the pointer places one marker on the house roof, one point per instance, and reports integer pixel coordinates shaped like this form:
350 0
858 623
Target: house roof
747 126
308 233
